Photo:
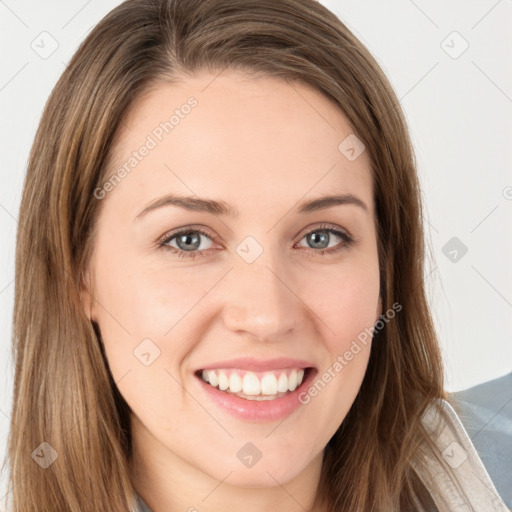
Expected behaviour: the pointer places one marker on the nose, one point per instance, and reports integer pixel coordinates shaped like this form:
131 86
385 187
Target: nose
262 300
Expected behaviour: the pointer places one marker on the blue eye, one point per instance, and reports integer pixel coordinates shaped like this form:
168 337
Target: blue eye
319 236
189 245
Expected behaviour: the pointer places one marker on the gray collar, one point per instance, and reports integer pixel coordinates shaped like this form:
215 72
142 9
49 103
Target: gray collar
141 505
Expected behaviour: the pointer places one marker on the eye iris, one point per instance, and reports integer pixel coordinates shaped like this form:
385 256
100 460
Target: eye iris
315 240
185 237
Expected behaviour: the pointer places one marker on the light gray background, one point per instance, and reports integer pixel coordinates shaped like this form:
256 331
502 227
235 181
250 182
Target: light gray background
458 105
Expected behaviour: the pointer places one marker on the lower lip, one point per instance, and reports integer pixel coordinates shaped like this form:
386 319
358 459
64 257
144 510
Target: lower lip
253 410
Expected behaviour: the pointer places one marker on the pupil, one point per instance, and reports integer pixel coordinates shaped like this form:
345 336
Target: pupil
319 240
185 239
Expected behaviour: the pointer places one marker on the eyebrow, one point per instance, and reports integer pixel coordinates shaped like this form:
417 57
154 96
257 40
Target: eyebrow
222 208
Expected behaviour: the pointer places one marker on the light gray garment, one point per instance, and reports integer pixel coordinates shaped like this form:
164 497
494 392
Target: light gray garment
486 413
452 471
141 505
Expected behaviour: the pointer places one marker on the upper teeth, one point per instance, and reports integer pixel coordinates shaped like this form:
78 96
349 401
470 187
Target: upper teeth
251 383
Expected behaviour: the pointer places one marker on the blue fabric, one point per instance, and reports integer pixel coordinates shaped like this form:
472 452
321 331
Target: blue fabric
486 413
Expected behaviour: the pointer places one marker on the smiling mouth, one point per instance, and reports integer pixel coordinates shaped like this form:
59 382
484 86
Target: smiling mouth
268 385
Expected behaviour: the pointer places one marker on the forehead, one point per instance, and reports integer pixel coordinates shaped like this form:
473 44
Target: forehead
252 141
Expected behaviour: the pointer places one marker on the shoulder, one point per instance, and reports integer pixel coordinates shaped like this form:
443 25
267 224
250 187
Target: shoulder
450 466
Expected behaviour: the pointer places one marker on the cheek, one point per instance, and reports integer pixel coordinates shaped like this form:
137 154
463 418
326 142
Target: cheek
137 301
145 338
345 302
145 317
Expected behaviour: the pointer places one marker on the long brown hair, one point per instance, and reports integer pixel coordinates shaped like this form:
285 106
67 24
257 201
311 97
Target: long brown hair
64 394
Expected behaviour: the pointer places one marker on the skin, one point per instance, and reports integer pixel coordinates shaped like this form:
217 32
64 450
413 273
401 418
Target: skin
262 146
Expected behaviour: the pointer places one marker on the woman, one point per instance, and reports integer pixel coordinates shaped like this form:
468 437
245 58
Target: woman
219 278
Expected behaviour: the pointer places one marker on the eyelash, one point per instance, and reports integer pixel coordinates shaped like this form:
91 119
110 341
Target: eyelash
162 242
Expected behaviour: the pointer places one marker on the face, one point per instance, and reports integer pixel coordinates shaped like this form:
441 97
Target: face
257 278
